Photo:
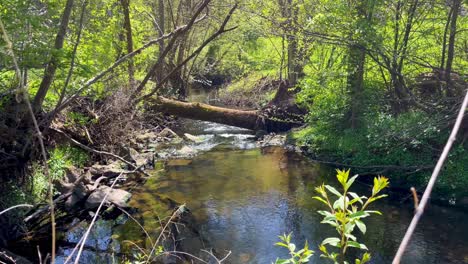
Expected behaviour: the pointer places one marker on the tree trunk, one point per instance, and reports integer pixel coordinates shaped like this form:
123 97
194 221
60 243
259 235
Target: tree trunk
129 39
49 72
451 45
355 82
249 119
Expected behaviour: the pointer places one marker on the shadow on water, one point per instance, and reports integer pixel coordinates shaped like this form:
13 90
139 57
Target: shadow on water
244 199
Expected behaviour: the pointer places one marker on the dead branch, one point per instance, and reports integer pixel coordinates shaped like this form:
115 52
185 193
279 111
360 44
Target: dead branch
89 149
14 207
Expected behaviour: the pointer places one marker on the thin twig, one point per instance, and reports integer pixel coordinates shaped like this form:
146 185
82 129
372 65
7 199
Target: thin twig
15 206
138 223
415 197
83 146
430 185
162 232
25 94
96 214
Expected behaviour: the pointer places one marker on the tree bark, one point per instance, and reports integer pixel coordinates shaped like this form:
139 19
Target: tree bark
249 119
129 39
161 26
451 45
49 72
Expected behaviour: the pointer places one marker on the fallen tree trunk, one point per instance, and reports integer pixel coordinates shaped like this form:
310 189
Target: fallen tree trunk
249 119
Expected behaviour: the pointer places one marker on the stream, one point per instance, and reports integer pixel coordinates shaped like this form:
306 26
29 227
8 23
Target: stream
243 197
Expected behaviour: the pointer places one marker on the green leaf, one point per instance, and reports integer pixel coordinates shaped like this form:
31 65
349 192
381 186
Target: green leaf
377 198
358 215
361 226
282 261
334 241
356 245
380 183
339 204
350 182
356 198
333 190
320 199
373 212
281 244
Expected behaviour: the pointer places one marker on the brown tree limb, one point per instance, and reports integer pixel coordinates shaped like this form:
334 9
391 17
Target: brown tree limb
49 72
129 39
249 119
75 48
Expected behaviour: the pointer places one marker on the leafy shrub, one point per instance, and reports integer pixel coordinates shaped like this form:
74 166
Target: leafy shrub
344 214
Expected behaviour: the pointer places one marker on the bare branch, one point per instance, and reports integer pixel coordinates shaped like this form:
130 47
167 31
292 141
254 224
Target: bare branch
25 94
430 185
14 207
96 78
222 29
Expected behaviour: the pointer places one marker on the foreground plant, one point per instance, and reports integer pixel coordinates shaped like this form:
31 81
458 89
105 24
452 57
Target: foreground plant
345 213
297 257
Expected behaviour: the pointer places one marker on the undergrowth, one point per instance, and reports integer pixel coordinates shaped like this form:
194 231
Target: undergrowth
412 141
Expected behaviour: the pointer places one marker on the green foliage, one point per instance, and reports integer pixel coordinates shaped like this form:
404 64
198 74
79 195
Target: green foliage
61 157
345 213
300 256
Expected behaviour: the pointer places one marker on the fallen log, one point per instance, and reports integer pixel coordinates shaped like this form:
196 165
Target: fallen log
249 119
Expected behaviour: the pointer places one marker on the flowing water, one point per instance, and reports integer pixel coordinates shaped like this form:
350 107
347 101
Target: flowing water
243 197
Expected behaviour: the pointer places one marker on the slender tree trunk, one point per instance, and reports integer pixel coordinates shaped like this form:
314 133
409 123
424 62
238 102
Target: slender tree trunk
161 29
355 82
451 45
444 41
356 64
293 64
129 39
51 67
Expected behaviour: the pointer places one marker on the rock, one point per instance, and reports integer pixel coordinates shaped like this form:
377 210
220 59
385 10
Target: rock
260 134
72 201
72 178
111 170
81 191
272 140
147 137
168 133
116 196
193 138
140 159
179 162
186 151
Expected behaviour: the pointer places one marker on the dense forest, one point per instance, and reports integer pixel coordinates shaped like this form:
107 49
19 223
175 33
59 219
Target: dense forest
96 95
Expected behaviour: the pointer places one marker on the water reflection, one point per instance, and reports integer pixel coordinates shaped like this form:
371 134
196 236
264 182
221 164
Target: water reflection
245 199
